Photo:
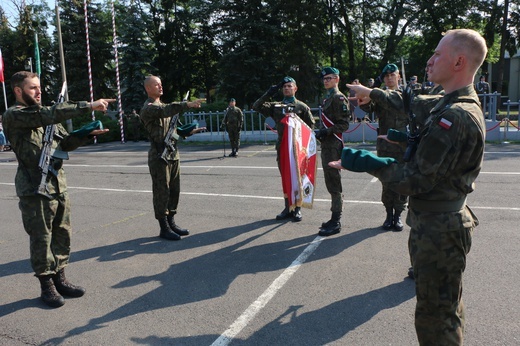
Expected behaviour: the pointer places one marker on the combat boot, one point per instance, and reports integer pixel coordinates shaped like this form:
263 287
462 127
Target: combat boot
389 218
233 153
64 287
398 224
297 214
331 227
50 296
285 212
166 231
175 228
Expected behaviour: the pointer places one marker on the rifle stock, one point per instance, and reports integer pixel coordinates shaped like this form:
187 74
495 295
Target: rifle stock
413 134
50 161
171 138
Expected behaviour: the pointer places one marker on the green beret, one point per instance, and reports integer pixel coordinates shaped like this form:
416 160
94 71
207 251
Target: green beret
329 70
363 160
288 80
185 130
232 100
87 129
390 68
396 136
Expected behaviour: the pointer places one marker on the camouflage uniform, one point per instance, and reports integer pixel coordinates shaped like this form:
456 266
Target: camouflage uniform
134 127
234 119
156 118
46 221
437 179
336 108
275 110
388 107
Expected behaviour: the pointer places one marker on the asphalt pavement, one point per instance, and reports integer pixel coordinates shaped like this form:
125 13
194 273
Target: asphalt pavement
241 277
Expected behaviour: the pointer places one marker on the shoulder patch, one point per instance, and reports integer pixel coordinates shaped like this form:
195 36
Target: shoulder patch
445 123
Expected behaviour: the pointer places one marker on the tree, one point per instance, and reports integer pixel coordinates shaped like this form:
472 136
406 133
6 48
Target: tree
136 53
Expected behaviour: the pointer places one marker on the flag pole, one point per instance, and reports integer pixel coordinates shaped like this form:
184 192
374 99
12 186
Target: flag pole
2 78
62 62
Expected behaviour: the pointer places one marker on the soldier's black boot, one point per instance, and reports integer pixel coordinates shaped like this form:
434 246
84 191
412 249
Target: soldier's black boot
64 287
331 227
389 218
50 296
398 224
175 228
166 231
297 214
285 212
233 153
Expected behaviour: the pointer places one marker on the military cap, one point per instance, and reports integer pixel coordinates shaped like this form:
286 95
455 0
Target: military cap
288 80
329 70
390 68
232 100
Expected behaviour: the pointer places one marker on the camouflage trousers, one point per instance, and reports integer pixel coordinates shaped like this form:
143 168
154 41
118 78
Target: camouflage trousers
234 137
47 222
333 176
438 245
166 186
390 198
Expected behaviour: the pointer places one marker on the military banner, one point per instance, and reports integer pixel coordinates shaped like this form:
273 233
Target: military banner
298 162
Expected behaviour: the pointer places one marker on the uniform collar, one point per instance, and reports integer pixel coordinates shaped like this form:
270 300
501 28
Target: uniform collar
467 92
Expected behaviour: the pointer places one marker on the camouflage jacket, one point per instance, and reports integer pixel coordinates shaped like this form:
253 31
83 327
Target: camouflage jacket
389 108
449 156
156 117
233 118
336 107
25 126
276 111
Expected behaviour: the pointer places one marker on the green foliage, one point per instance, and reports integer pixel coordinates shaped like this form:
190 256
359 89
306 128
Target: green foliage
221 49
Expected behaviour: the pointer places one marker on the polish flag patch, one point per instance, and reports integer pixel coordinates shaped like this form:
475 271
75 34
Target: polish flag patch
445 123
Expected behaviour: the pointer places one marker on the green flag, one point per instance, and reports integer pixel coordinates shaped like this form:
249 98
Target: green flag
37 55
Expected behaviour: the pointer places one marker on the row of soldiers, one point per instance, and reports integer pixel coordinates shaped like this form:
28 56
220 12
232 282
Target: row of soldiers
448 157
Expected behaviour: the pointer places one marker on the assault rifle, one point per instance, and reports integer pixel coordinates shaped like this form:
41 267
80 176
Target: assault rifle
51 160
171 138
413 133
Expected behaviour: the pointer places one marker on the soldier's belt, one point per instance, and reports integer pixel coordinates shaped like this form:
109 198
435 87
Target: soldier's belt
436 206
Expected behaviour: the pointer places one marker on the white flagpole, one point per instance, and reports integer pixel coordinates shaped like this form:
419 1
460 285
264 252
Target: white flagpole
5 96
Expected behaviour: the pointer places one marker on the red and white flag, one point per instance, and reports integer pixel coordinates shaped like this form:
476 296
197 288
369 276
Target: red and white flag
298 162
1 68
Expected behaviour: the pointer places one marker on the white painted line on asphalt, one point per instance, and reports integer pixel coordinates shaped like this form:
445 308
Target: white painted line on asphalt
253 309
374 179
249 196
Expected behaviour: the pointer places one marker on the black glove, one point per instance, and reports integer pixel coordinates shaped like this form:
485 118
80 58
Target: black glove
274 89
379 80
321 134
408 96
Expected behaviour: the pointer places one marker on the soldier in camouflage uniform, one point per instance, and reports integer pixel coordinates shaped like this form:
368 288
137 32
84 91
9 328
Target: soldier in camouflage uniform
438 179
388 107
276 110
156 117
334 121
233 121
46 219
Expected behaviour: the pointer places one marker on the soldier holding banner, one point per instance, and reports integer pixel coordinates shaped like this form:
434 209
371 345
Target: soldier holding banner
334 121
277 111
